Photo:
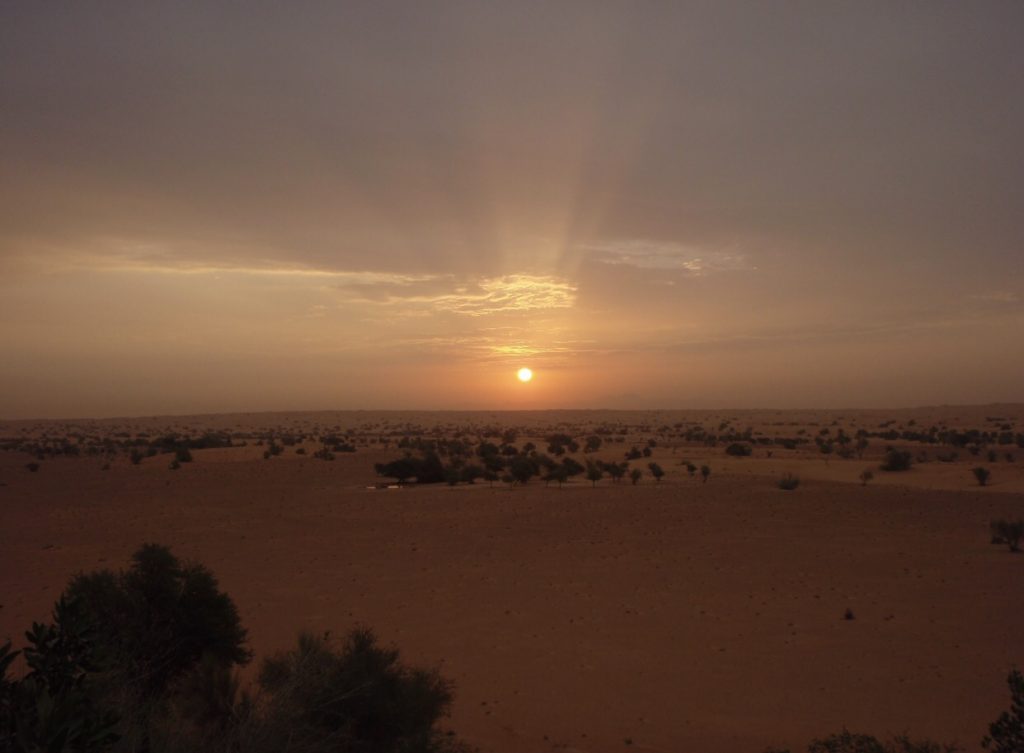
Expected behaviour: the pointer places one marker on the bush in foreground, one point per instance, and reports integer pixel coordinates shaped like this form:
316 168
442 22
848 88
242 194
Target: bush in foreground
360 698
143 661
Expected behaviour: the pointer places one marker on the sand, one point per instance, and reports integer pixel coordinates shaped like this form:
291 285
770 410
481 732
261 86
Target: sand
677 616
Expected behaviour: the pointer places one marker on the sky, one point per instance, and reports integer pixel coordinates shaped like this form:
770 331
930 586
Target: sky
221 207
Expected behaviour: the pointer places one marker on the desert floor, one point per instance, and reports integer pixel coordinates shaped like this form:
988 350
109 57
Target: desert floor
677 616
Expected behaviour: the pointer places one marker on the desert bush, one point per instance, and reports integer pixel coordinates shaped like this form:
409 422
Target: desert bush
789 482
739 450
896 460
1007 532
635 475
156 620
135 457
360 699
183 455
705 473
981 474
32 467
175 465
594 472
53 706
866 475
656 470
1006 734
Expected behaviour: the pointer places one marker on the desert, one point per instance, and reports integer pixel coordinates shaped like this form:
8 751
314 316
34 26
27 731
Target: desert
670 614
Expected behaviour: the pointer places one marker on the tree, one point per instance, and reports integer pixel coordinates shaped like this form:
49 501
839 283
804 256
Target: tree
866 475
158 619
657 471
558 473
594 473
616 470
592 443
522 468
361 699
572 467
705 472
739 449
982 475
635 475
1006 734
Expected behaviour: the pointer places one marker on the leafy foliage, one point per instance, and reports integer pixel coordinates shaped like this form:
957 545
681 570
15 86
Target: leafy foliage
158 619
1006 734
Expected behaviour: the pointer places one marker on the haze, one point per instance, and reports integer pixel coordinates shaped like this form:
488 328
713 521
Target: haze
209 207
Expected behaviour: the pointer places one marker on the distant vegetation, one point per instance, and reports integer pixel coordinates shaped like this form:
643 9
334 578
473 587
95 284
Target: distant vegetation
896 460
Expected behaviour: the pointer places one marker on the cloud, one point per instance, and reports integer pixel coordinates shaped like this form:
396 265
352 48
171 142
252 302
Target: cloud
668 256
509 294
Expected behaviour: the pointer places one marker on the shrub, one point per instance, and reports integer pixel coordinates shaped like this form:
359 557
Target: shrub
1007 532
789 482
656 470
135 457
183 455
705 472
739 450
896 460
158 619
175 465
866 475
53 707
981 474
32 467
361 698
594 473
1006 734
635 476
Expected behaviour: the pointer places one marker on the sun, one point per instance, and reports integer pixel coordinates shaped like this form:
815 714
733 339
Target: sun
524 374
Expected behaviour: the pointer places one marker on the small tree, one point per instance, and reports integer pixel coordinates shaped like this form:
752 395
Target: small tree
594 473
705 472
657 471
982 475
866 475
635 475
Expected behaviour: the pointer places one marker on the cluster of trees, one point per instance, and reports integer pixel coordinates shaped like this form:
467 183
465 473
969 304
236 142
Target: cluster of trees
467 463
145 660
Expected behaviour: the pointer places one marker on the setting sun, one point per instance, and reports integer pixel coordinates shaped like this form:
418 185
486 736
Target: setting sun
524 374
